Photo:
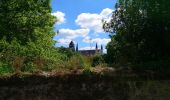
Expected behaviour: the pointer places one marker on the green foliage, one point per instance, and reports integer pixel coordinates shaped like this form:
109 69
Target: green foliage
26 36
5 69
97 60
29 67
67 52
74 63
140 31
26 20
29 56
86 63
74 60
77 62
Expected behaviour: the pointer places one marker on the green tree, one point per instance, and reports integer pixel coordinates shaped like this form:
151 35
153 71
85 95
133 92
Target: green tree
26 20
26 34
140 31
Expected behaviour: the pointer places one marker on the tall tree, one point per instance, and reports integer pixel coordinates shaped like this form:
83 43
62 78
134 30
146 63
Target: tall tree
26 20
26 32
140 31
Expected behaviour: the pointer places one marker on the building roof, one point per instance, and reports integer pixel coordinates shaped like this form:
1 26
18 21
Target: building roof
86 52
89 52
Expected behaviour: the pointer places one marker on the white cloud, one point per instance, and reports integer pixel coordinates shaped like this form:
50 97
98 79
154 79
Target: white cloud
93 21
90 21
103 41
100 41
60 17
64 41
72 34
87 39
106 13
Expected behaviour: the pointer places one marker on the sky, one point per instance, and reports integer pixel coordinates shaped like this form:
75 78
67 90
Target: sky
81 21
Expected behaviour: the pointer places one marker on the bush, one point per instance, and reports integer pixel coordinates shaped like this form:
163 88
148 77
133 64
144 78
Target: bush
29 67
77 62
30 57
97 60
67 52
74 63
5 69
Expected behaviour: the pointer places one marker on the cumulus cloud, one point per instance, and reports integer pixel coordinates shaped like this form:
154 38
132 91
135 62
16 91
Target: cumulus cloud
60 17
106 13
64 41
87 39
90 21
72 34
100 41
93 21
103 41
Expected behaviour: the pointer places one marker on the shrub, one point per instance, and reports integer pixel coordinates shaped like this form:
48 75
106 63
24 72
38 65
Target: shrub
74 63
17 63
67 52
5 69
97 60
77 62
29 67
32 55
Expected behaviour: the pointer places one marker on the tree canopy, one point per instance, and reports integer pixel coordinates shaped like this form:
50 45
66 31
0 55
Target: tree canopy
140 31
26 34
26 20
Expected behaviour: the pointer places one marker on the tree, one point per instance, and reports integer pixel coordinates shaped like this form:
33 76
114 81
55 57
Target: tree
26 32
140 30
26 20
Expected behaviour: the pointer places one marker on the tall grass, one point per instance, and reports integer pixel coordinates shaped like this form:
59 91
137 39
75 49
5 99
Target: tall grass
77 62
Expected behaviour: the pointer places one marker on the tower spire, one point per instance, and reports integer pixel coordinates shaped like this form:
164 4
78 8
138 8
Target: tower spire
71 46
96 46
101 49
77 48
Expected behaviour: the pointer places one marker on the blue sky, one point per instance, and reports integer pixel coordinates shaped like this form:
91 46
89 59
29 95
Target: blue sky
80 21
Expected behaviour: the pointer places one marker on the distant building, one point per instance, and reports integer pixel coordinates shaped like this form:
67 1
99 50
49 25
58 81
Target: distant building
86 52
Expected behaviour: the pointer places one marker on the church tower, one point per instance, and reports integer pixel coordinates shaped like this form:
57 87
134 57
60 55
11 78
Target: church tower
96 46
72 46
77 48
101 49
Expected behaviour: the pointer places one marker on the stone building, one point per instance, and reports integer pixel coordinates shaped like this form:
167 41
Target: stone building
86 52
